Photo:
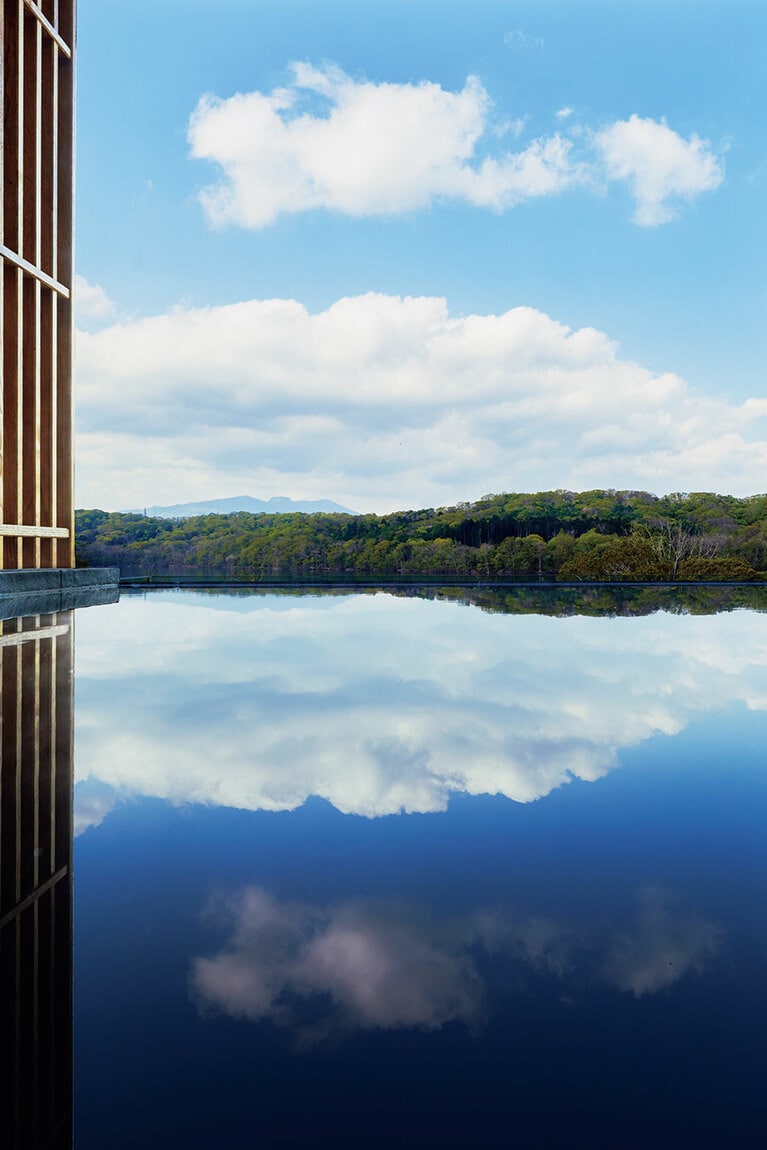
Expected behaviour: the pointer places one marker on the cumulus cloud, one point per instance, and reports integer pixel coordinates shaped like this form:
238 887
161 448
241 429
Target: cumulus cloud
369 149
327 140
382 705
660 167
365 965
92 304
382 402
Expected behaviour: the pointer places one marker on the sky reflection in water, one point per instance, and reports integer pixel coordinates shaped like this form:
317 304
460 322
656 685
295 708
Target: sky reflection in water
380 704
589 959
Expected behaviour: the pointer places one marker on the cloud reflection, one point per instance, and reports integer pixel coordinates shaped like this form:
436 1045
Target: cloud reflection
381 704
662 946
364 965
376 968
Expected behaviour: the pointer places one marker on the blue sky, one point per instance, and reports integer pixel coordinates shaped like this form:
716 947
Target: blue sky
518 245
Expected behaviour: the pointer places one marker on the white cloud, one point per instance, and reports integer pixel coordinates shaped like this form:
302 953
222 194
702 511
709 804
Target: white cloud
92 304
565 113
377 148
365 149
382 402
660 167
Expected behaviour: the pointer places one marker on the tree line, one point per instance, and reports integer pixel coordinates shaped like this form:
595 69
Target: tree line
601 535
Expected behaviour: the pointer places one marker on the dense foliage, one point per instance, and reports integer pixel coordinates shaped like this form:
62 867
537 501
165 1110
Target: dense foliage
586 536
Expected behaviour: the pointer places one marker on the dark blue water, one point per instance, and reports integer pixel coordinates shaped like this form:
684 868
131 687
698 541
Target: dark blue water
368 871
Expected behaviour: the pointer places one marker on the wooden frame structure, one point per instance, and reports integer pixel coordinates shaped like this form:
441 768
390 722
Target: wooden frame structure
36 199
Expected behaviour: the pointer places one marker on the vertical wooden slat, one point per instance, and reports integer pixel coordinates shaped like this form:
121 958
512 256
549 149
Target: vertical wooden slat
48 58
36 130
66 21
30 416
9 858
10 353
48 182
47 441
40 349
46 744
11 402
28 766
30 90
65 514
2 277
12 117
12 113
64 271
17 479
8 802
41 750
54 729
63 747
59 555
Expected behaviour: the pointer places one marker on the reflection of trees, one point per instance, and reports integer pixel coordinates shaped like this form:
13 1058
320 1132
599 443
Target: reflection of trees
35 886
595 601
525 599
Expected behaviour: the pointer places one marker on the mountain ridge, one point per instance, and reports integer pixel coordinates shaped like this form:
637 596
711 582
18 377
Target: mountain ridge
277 505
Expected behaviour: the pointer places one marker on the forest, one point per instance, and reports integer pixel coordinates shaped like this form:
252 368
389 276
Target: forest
602 535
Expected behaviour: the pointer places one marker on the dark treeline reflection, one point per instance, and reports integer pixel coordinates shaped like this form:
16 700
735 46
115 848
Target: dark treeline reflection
603 601
524 599
36 881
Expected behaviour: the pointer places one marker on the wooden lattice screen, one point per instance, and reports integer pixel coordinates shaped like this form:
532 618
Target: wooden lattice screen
36 513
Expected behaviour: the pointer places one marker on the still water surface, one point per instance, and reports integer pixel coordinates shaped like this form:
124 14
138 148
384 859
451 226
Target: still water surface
372 870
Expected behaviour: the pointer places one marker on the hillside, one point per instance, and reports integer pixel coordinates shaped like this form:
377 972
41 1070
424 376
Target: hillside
592 535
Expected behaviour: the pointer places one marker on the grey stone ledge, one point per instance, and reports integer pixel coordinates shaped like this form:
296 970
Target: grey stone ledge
35 579
46 591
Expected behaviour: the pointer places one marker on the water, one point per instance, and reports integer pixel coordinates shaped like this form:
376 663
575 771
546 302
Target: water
372 870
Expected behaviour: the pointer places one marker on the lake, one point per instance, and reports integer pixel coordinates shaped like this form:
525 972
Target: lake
374 869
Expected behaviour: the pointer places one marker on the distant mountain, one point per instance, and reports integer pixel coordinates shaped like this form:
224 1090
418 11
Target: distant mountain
278 504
